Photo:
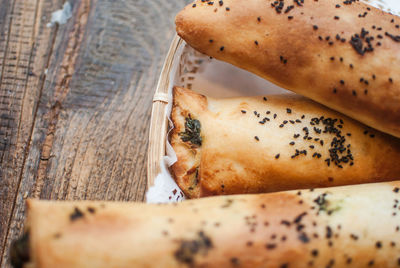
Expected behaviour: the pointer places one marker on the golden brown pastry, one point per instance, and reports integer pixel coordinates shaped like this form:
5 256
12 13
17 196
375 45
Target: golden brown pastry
273 143
343 54
353 226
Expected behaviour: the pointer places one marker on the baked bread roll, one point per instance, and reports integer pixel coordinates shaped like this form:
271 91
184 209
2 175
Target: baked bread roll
354 226
343 54
272 143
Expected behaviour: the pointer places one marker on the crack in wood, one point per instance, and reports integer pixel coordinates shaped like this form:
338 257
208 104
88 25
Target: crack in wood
9 67
61 89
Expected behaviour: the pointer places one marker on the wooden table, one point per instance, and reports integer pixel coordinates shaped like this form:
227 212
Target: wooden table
75 101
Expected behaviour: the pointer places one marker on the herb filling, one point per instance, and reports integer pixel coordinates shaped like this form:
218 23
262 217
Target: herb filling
192 131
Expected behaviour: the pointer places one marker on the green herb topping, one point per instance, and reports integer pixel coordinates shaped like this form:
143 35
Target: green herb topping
192 131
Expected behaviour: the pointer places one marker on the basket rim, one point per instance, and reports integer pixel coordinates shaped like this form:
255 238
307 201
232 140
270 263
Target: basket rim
159 120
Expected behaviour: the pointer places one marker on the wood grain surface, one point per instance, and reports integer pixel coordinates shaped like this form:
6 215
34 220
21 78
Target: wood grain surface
75 101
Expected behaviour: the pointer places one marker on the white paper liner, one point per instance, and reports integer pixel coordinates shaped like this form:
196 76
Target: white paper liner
217 79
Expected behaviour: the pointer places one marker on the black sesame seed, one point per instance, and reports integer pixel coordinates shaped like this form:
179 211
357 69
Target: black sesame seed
315 27
227 8
243 111
304 238
235 261
277 156
270 246
91 210
221 48
353 236
194 5
76 214
314 252
257 138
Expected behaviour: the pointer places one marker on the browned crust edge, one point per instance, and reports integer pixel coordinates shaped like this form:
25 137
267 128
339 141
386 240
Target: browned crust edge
185 103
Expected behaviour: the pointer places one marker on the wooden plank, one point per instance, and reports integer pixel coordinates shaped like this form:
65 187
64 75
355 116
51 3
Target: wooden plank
90 136
20 89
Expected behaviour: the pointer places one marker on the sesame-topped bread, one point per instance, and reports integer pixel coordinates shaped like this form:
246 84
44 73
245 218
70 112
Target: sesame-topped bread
343 54
354 226
272 143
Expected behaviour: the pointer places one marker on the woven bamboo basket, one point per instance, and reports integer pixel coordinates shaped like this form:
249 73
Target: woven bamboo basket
180 68
159 117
